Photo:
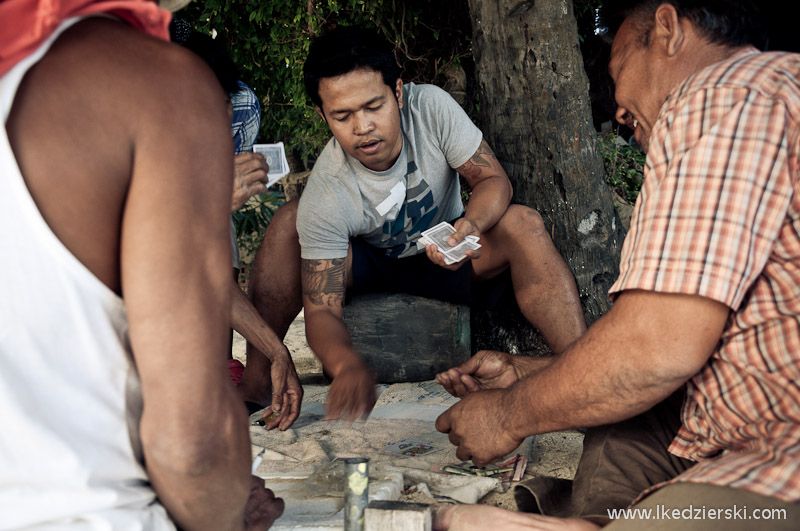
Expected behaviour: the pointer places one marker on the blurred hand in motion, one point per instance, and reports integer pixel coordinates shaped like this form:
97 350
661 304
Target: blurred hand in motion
351 394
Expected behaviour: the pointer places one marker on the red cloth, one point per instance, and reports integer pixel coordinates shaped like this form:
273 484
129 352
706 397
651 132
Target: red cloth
236 370
25 24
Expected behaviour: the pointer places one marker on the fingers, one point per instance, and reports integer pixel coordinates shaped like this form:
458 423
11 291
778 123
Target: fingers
438 258
471 365
352 408
463 454
291 412
458 235
473 254
456 382
479 461
434 255
351 394
464 227
457 386
249 162
448 378
250 177
277 401
443 422
287 393
470 384
262 508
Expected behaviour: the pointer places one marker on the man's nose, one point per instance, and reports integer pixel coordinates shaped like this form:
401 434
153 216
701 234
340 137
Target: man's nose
622 115
363 124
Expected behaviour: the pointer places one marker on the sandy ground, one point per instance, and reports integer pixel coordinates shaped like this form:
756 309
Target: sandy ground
553 454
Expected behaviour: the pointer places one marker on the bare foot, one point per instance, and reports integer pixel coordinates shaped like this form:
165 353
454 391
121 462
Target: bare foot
480 517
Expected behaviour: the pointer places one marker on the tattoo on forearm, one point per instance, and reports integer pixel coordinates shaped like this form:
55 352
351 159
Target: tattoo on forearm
324 281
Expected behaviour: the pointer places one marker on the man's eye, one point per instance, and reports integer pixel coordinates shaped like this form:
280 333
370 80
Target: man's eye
373 109
341 118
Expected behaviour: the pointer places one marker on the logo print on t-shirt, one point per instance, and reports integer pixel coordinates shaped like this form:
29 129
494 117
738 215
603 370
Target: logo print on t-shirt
414 217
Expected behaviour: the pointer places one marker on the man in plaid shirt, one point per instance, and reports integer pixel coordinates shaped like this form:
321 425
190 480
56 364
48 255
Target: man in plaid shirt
694 375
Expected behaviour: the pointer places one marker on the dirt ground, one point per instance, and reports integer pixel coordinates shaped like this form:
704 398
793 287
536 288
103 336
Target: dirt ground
554 454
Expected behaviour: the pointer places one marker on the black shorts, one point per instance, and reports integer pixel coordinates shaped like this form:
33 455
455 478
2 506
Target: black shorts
374 272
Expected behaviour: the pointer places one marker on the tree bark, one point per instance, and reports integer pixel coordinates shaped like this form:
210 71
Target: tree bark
535 114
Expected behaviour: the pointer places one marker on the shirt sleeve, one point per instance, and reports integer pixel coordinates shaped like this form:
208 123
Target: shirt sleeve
715 195
457 137
326 218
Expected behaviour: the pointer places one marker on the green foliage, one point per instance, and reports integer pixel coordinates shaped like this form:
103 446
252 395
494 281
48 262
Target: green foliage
269 41
256 213
251 222
624 166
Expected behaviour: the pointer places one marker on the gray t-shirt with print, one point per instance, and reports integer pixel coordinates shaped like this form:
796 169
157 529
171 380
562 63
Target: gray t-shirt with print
390 209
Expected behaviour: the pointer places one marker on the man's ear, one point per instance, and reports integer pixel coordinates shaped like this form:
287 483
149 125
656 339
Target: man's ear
668 30
398 92
322 114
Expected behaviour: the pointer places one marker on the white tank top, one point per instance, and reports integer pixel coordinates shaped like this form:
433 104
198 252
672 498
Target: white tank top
69 393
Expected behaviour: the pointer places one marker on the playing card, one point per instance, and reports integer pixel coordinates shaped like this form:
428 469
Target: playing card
276 159
410 448
511 469
438 236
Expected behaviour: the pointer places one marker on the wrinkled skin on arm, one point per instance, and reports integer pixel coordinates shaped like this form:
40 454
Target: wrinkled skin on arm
643 349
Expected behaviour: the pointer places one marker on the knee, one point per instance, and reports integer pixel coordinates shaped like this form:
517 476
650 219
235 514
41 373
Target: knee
284 221
522 221
280 239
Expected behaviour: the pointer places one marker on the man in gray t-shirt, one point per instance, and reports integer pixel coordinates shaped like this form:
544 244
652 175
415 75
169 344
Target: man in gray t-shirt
390 172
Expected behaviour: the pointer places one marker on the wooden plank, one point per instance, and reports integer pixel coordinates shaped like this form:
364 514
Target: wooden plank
406 338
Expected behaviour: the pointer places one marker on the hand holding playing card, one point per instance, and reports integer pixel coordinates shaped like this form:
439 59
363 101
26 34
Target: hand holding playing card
464 227
275 155
480 426
250 176
438 239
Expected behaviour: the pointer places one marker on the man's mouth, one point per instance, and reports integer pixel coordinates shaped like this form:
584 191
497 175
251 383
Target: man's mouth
630 121
370 146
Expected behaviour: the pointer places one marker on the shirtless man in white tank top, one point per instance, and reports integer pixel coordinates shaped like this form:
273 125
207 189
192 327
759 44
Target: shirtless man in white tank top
118 135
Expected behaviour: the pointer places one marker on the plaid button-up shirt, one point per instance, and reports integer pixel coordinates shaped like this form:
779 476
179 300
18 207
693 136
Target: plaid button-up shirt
246 118
719 216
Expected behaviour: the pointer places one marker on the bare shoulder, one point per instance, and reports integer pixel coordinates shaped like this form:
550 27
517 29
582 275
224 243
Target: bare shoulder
112 61
106 100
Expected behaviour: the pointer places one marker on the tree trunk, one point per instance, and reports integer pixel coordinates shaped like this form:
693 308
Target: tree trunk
535 114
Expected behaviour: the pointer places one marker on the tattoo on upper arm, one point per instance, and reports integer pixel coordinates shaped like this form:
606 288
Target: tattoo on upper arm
480 164
324 281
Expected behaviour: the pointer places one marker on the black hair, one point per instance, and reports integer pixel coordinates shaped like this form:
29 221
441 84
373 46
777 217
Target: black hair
725 22
213 53
344 49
